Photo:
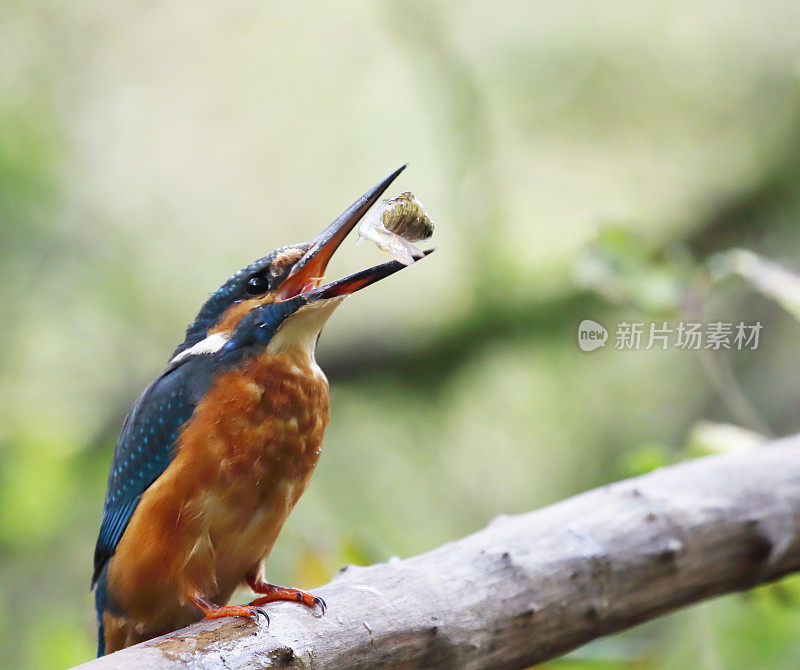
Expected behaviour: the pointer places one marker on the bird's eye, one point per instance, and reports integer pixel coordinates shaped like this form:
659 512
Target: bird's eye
257 285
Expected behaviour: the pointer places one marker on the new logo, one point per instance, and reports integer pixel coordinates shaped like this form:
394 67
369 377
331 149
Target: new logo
591 335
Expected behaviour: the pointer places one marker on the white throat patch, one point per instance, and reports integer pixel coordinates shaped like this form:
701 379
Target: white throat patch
299 332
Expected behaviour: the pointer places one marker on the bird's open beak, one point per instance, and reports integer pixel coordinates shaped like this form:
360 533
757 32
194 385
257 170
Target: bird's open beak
357 280
310 269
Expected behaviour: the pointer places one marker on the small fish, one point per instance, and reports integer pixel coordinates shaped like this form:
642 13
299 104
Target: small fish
395 224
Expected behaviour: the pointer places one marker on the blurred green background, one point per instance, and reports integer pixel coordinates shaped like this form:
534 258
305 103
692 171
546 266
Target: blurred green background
583 160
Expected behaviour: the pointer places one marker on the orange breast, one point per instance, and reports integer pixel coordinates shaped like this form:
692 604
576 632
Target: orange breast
243 460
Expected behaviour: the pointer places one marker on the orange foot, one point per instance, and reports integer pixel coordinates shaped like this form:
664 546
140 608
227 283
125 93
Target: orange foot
271 593
213 611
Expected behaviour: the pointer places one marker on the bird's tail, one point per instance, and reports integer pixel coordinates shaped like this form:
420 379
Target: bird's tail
99 605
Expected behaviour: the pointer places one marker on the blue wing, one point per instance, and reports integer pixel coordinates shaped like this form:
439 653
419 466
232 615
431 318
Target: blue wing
146 446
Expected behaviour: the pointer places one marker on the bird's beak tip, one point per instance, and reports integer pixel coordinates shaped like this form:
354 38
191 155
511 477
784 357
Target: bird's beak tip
308 271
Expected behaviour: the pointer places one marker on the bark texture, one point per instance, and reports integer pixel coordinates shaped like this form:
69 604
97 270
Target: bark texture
533 586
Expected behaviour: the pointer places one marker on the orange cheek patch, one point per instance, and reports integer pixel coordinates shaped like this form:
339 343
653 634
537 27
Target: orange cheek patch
231 317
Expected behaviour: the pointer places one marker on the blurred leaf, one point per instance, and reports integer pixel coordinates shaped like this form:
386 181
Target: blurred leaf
356 551
594 664
644 459
56 640
707 438
772 641
621 267
310 569
35 489
766 276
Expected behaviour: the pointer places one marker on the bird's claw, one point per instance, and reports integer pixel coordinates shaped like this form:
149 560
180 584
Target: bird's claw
272 593
316 601
260 611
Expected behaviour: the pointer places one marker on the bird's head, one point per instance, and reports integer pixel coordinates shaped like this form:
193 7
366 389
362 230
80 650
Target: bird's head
277 302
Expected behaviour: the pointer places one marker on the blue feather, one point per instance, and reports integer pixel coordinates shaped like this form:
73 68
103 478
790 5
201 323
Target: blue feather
147 446
152 430
150 433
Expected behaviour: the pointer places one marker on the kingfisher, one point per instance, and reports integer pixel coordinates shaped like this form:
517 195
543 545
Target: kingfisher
217 450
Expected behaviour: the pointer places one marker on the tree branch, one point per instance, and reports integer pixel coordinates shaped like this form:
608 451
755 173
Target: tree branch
530 587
